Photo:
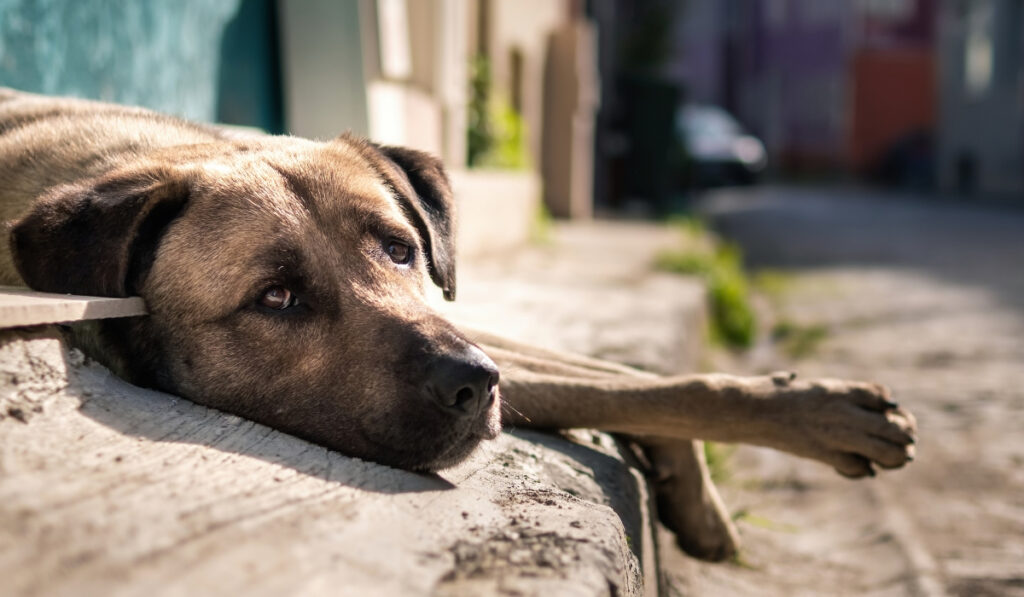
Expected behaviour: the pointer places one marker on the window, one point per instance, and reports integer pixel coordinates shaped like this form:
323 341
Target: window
889 10
979 50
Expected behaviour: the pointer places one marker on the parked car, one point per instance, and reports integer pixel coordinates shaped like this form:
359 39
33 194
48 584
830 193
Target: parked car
718 150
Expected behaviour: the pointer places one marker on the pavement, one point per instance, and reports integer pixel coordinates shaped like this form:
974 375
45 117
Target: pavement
590 289
926 296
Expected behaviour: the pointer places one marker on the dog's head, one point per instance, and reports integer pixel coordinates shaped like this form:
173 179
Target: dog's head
285 281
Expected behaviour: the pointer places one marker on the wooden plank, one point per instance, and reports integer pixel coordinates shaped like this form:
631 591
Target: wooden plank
21 307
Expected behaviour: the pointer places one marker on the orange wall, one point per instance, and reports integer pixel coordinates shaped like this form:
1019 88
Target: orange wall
893 94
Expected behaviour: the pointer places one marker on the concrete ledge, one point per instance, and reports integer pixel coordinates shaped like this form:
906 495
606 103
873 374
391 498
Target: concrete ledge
497 210
109 489
106 488
589 289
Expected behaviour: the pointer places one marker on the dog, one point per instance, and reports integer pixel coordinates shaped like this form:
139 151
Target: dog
286 279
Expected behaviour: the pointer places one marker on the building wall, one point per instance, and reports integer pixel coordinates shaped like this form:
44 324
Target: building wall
162 55
800 63
698 63
524 26
780 66
981 110
893 96
827 84
323 51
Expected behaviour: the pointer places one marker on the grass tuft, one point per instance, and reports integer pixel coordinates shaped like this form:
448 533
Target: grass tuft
773 283
732 317
542 226
799 340
717 457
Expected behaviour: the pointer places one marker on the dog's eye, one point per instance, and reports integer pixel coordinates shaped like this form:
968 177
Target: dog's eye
399 252
278 297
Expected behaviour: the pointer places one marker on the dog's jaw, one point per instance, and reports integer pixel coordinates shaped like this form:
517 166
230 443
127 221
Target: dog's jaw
458 452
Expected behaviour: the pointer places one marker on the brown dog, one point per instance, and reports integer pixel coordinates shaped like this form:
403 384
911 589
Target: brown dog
285 281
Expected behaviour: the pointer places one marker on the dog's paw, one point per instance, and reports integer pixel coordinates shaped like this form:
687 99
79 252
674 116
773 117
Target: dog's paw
852 426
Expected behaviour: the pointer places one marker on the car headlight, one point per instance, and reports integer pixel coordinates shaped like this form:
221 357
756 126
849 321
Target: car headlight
750 151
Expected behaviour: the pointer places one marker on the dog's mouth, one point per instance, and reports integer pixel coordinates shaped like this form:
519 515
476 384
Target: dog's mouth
486 427
489 426
460 445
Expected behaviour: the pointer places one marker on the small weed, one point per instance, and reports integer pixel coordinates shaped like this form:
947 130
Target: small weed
741 561
773 283
732 317
692 226
542 226
693 264
717 457
496 135
799 340
765 523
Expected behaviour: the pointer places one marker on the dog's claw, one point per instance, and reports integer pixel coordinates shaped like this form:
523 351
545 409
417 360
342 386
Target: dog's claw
853 426
782 378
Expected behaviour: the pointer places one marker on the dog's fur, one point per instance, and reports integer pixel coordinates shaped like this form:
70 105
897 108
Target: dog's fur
108 200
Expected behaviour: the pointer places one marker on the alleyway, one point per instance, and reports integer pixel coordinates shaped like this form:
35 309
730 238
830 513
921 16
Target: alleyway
927 297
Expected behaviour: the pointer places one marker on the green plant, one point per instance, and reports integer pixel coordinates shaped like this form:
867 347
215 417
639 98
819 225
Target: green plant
773 283
479 137
509 148
542 225
496 137
732 318
730 299
717 457
763 522
799 340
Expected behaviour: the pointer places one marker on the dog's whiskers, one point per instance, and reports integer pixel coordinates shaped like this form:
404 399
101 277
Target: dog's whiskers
505 405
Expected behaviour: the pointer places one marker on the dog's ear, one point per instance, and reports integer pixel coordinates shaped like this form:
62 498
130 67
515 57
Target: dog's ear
432 211
99 237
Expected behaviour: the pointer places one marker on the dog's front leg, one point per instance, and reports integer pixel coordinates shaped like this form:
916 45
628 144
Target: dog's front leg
687 500
851 426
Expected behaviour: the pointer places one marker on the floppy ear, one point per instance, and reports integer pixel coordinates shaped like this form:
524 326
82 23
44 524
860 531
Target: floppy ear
99 237
432 211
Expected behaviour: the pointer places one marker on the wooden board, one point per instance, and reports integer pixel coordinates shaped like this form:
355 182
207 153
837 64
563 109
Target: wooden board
23 307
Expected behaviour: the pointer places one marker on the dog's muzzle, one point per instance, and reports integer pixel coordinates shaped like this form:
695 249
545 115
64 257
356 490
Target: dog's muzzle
463 384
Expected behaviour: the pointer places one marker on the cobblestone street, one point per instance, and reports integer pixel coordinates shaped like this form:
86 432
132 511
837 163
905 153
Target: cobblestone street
928 298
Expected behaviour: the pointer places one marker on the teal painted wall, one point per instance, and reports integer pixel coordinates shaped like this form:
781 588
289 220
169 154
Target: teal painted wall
163 54
249 89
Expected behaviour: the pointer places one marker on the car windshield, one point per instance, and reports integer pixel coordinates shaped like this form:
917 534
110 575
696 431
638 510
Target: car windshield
708 122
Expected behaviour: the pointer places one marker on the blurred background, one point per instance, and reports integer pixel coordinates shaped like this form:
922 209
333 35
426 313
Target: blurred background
612 105
851 173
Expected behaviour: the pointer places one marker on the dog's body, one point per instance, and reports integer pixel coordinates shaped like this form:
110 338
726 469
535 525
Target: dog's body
285 282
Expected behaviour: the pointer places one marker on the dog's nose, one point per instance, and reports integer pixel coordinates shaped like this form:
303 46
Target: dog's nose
464 383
